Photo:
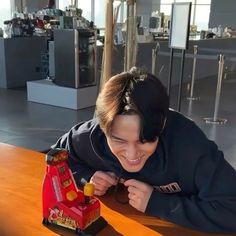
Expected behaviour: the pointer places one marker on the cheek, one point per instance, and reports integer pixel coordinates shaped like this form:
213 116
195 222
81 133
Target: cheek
115 148
149 149
119 149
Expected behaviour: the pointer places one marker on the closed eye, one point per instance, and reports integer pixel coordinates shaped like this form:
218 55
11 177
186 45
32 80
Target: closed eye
118 140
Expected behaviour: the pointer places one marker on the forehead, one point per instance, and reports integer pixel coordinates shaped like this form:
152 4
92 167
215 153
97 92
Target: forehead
126 125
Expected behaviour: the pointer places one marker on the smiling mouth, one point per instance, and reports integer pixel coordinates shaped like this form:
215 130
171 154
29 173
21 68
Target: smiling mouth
133 161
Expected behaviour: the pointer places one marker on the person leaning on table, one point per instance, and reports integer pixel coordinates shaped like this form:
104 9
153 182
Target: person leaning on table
170 168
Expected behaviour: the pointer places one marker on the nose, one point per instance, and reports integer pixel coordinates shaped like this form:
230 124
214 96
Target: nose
131 152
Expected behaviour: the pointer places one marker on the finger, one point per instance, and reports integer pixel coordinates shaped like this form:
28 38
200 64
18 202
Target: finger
132 203
99 186
136 204
140 186
114 176
134 183
99 183
98 192
133 190
98 180
108 178
121 181
132 196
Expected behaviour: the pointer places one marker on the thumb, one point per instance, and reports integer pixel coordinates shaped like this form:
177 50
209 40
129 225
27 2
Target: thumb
133 182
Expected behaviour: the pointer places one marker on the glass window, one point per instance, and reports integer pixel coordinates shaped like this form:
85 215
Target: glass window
187 1
100 6
207 2
202 17
63 4
86 7
166 9
193 7
201 10
122 12
100 13
166 2
5 12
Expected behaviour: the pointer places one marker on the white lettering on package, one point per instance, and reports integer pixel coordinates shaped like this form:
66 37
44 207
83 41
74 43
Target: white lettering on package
169 188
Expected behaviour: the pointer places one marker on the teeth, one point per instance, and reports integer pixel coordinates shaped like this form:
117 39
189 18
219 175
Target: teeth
133 160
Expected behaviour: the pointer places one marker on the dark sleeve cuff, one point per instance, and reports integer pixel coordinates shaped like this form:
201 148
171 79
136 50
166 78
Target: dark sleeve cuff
158 204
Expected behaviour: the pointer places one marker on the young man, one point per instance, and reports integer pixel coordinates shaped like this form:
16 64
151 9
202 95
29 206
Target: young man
170 168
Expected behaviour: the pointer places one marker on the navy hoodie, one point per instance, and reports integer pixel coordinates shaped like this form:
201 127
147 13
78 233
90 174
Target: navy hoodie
194 186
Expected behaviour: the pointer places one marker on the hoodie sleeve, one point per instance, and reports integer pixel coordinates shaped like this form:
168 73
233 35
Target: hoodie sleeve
75 161
213 208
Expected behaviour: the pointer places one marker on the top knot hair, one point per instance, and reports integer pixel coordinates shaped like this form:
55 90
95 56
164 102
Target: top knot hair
136 72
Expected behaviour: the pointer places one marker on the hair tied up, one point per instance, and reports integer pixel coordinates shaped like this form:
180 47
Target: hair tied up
137 73
134 71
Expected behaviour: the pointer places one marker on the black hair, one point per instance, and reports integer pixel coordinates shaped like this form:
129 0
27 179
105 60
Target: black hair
145 95
134 92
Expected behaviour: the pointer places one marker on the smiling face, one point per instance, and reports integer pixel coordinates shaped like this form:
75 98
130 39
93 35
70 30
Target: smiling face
125 144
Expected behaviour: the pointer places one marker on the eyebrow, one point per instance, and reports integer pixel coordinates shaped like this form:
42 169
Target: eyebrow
115 137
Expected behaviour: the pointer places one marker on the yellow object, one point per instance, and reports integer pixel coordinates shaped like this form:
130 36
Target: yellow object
71 195
66 183
88 189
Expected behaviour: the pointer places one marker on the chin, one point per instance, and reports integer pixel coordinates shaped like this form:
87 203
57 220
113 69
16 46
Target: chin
132 169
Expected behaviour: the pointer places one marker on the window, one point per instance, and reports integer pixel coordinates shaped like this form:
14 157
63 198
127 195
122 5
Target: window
100 13
199 13
205 2
86 7
122 14
202 17
63 4
5 12
186 1
166 2
166 9
166 6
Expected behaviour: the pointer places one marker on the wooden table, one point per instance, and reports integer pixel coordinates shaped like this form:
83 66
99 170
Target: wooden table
21 175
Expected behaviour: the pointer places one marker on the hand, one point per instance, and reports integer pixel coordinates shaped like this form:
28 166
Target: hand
139 194
102 181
